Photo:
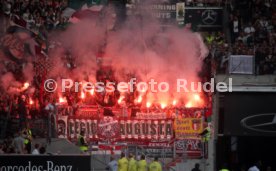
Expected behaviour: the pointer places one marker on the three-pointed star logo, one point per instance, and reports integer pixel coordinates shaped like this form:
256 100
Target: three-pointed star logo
209 17
265 123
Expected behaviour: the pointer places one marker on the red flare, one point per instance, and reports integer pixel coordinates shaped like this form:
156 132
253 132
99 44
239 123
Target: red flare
31 102
163 105
82 95
121 99
62 100
174 102
189 105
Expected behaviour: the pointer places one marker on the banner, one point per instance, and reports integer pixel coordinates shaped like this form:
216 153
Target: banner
158 149
172 12
62 126
111 128
44 162
241 64
204 18
88 112
165 13
151 115
152 149
190 147
180 12
187 128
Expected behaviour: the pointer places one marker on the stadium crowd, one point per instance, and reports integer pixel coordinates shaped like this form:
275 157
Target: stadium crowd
251 32
36 15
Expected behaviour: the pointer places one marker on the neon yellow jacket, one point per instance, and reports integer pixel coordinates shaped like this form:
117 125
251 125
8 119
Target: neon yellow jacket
132 165
155 166
142 165
123 164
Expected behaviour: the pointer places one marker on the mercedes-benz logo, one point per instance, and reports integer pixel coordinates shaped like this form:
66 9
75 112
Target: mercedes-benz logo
209 17
265 123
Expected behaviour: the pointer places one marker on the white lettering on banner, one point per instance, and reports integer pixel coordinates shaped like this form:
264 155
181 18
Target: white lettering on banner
121 129
163 7
40 168
159 145
50 166
156 150
151 115
187 145
165 15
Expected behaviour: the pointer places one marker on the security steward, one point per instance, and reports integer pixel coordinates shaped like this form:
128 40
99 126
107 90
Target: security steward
123 163
132 164
206 133
27 134
82 143
155 165
142 164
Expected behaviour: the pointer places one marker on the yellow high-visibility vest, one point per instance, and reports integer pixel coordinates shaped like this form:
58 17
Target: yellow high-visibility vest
29 136
210 39
155 166
142 165
132 165
123 164
83 147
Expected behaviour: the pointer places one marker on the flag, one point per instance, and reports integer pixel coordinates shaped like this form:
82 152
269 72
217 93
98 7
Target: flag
18 21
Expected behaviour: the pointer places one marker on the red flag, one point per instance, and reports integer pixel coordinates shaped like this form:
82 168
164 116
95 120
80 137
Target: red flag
19 21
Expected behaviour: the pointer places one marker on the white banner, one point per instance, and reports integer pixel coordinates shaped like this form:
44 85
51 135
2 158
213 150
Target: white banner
241 64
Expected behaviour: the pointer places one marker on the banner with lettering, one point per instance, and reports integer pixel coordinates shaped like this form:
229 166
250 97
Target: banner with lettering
111 128
151 115
190 147
188 128
45 162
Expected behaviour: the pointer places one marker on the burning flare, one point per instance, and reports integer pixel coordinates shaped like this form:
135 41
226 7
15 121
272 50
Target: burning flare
163 105
92 91
174 102
121 99
196 97
26 85
31 102
62 100
189 105
148 104
82 95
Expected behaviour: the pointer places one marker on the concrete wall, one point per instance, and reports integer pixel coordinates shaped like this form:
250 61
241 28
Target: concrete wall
245 80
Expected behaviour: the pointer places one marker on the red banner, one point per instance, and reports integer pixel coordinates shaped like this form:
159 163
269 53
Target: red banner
110 128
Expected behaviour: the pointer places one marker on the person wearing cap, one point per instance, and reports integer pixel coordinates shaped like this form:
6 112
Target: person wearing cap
155 165
113 164
132 164
142 164
123 163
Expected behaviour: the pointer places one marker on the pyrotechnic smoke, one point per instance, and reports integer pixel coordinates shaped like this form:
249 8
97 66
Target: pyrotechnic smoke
139 47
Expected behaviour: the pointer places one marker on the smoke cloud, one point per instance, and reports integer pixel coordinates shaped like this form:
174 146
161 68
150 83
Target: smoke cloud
139 47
